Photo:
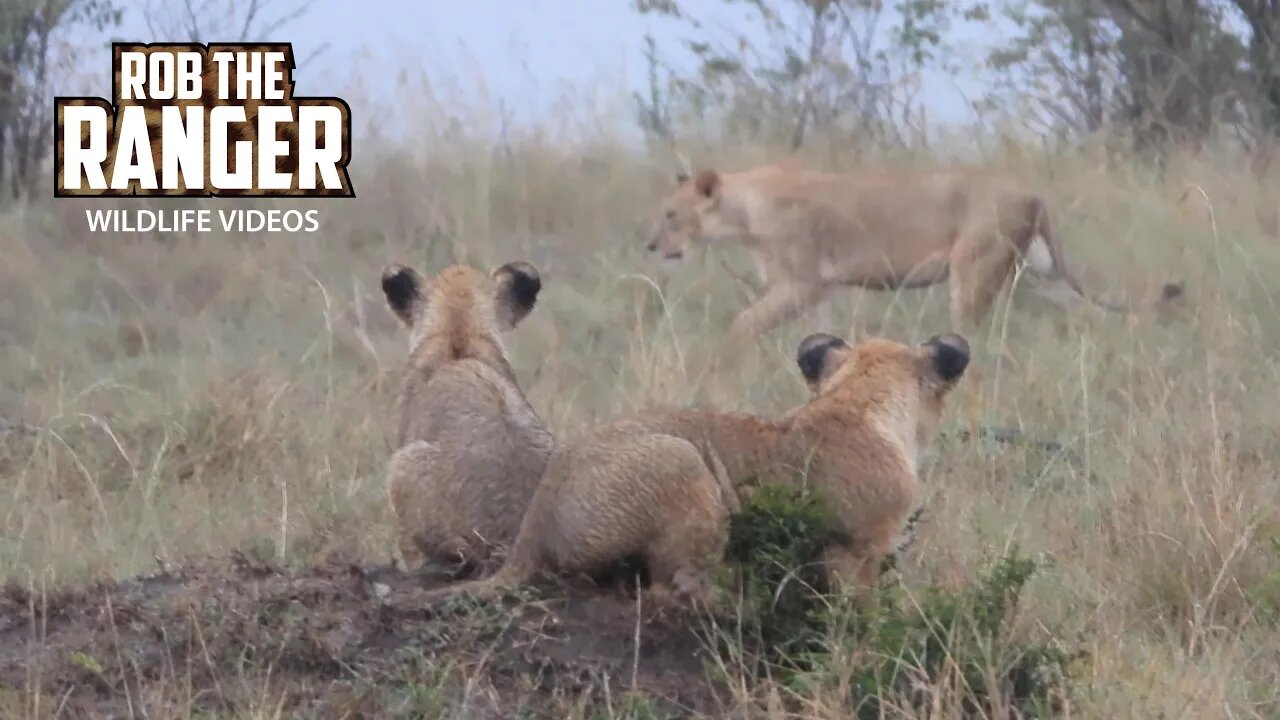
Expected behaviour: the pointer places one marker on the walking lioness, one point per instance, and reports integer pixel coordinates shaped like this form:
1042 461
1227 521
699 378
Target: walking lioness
471 449
810 232
659 487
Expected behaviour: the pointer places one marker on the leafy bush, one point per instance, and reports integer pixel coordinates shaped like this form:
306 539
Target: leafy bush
898 650
1264 593
906 649
774 544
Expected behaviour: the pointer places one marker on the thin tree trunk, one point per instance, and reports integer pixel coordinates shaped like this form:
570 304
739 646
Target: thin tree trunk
816 45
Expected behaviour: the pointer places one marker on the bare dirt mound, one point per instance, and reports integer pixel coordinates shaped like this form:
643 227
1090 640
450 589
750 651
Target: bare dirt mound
336 641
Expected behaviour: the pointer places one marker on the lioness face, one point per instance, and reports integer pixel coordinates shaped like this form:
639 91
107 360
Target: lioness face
689 213
886 373
461 298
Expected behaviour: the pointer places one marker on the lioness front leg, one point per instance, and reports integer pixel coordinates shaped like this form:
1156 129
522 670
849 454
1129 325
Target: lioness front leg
855 564
825 318
853 570
779 303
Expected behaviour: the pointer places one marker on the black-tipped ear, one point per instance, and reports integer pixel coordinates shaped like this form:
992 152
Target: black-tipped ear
950 355
518 286
815 354
403 287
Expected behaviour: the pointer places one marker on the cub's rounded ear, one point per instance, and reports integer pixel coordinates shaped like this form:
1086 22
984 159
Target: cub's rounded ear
950 355
518 286
405 292
818 356
707 183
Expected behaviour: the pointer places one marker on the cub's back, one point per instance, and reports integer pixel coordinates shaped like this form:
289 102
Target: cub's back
471 406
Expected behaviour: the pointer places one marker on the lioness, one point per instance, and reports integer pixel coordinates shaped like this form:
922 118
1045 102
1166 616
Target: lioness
659 486
810 232
471 449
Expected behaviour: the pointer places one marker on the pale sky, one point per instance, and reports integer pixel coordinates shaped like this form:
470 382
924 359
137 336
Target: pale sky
525 49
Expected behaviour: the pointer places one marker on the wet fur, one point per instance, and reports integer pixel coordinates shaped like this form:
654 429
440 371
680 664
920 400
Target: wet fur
660 486
470 447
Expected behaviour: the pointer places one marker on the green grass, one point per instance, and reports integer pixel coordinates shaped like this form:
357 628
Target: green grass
903 650
186 396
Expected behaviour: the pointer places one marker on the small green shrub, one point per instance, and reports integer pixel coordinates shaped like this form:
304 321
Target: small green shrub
774 544
1264 593
898 649
904 648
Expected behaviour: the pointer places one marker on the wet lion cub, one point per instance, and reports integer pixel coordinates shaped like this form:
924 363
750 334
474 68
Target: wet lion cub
660 486
471 449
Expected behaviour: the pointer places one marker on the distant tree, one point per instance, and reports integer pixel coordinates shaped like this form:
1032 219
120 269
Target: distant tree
29 62
1161 72
1171 72
1262 17
204 21
812 65
653 109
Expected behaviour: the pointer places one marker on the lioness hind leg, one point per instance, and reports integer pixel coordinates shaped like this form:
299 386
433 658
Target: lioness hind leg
411 558
404 482
424 537
452 556
420 553
692 532
683 576
979 272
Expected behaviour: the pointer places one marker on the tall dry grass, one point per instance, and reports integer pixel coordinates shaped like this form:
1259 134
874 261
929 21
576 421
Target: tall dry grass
174 396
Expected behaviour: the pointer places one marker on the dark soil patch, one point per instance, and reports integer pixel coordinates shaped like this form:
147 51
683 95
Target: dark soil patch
337 641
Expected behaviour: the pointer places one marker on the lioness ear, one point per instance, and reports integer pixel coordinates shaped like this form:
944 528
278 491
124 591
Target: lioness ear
818 356
517 292
950 355
403 287
707 183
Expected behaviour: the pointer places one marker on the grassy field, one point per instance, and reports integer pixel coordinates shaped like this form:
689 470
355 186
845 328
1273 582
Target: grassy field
172 401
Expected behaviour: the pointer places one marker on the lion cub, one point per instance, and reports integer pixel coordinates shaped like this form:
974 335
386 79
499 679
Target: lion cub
660 486
471 449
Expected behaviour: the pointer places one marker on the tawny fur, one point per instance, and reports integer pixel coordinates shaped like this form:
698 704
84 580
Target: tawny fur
660 486
471 448
810 232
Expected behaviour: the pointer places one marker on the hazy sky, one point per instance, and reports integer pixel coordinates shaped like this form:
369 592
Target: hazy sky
526 49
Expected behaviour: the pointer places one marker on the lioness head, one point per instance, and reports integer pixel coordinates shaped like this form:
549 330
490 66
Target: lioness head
690 212
461 302
895 380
